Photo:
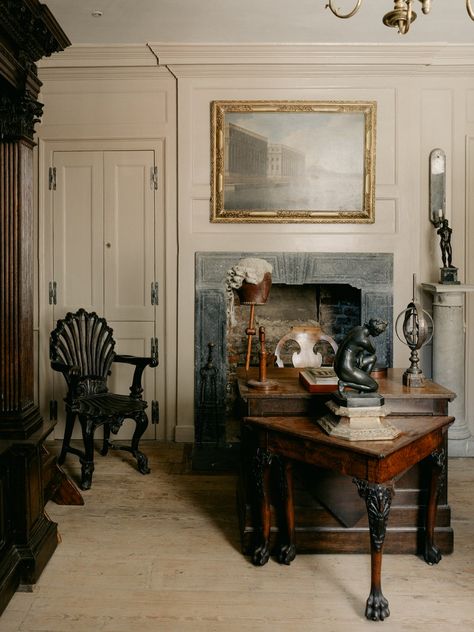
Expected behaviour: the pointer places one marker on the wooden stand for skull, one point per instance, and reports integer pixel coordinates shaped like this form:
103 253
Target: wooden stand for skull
262 383
256 294
250 331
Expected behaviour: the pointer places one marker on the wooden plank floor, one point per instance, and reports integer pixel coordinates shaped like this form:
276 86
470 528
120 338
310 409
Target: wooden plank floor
161 553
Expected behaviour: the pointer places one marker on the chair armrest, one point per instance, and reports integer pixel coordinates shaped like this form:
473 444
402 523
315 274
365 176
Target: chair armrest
140 364
135 360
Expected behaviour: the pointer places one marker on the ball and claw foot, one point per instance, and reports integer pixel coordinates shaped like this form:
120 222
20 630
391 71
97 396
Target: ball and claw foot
432 554
261 555
286 554
377 607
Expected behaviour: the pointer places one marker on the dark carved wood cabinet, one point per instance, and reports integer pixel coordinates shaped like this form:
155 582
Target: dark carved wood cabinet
28 32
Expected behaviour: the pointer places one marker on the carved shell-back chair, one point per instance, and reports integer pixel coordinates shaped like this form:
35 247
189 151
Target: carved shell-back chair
82 349
311 340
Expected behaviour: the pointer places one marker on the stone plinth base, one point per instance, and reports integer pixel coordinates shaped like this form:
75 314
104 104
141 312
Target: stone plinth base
449 276
358 424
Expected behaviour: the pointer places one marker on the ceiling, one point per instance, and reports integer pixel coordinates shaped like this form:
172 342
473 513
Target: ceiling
252 21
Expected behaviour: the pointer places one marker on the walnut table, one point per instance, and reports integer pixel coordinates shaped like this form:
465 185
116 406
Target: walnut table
325 503
374 466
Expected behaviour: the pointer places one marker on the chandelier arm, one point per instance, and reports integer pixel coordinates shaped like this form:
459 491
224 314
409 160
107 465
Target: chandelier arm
346 15
408 18
469 9
403 27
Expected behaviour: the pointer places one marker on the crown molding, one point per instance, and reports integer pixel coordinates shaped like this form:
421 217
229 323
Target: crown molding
310 71
63 74
187 56
87 56
400 54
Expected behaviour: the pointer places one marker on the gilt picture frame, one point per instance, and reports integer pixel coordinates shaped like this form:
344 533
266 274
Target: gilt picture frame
293 161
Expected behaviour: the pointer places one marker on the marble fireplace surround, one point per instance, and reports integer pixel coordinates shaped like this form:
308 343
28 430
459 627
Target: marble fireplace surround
371 273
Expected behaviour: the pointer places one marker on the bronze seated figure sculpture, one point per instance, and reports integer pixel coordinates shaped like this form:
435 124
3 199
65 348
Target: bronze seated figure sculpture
355 358
82 349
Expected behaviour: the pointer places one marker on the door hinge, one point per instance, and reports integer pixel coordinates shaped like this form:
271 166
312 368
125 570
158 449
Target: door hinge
154 178
52 178
154 349
154 293
53 297
155 412
53 410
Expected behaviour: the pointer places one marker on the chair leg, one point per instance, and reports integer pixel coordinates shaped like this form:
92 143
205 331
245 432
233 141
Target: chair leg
106 440
88 461
142 460
70 418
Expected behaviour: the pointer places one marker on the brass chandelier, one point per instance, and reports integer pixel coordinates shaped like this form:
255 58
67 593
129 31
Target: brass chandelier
402 15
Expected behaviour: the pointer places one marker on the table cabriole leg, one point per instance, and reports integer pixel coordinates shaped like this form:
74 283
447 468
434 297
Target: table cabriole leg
261 467
378 499
286 551
432 554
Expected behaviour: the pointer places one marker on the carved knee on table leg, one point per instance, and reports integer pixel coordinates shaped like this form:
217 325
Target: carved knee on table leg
378 499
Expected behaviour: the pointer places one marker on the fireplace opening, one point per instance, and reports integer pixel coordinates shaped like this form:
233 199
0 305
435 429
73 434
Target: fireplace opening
336 308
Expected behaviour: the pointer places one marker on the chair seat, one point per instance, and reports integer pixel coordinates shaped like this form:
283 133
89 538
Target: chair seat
107 405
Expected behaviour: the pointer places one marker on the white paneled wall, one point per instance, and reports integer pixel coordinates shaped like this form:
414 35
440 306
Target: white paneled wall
425 99
418 108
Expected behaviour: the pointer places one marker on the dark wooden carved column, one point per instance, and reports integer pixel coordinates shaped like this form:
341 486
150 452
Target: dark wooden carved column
19 417
28 538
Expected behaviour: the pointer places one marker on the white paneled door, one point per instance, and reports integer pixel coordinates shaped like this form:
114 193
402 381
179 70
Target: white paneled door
104 221
129 227
78 232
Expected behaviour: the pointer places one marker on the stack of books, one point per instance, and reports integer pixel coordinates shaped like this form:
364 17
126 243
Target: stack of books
319 380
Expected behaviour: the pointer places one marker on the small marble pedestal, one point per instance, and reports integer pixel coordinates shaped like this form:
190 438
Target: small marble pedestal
449 356
358 423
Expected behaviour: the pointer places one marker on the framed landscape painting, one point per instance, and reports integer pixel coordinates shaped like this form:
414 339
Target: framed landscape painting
293 161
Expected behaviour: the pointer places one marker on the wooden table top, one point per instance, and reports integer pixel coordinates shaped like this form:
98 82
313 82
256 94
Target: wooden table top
301 439
288 385
307 428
